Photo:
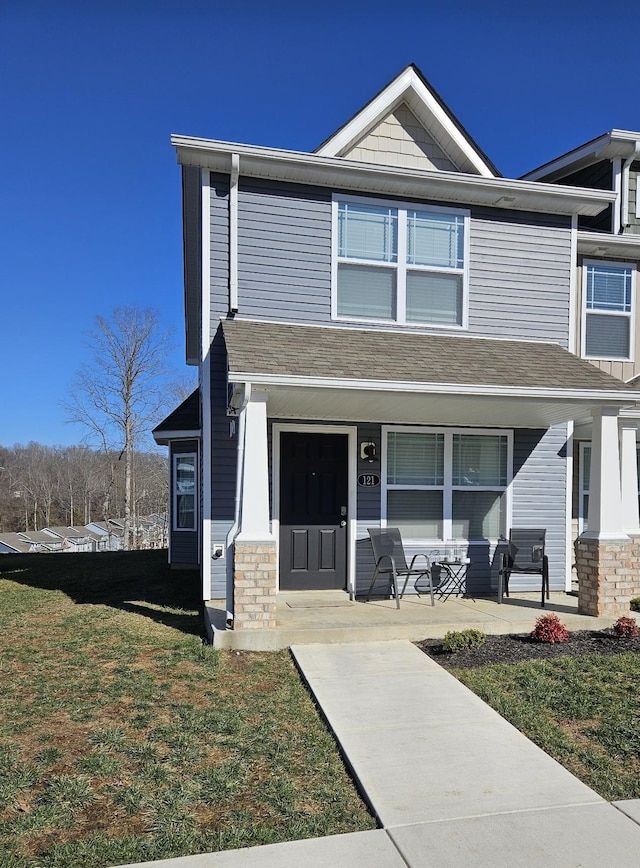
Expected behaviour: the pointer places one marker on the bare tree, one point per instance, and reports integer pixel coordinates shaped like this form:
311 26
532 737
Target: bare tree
122 391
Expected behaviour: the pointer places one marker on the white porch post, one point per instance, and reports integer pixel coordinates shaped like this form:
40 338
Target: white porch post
254 512
605 501
629 478
606 559
255 568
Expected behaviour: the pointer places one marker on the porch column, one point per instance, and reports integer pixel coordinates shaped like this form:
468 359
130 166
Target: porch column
629 478
255 566
604 553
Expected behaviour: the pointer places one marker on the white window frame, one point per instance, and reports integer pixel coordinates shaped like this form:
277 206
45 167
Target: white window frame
180 456
448 487
401 266
630 315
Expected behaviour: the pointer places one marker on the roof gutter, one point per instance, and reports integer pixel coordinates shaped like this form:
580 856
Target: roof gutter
296 166
617 396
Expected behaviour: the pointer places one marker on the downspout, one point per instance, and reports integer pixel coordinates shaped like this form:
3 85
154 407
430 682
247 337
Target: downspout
233 233
616 211
624 219
235 527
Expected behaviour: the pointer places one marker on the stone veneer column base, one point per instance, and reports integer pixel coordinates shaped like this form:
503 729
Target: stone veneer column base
608 575
254 584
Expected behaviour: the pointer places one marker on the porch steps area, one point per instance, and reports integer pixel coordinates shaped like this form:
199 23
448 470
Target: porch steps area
329 617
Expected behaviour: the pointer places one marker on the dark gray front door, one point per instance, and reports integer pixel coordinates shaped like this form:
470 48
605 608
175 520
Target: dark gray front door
313 511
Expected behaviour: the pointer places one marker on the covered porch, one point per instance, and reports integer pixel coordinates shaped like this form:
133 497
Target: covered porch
282 376
308 617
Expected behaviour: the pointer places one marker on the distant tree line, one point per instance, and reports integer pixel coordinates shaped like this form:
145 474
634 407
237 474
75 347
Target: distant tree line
52 486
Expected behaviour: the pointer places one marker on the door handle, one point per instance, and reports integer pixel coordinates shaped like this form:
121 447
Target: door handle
343 523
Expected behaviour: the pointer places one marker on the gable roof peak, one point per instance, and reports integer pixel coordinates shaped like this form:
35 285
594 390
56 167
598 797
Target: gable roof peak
412 88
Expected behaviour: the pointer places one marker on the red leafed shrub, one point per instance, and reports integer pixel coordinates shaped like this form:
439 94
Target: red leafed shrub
626 628
550 629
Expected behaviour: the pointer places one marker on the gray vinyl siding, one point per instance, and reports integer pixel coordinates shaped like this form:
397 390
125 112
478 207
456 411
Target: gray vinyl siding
284 252
519 265
369 503
191 215
223 465
520 268
219 248
183 544
539 497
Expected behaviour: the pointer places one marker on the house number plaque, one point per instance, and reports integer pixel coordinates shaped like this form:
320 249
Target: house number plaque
368 480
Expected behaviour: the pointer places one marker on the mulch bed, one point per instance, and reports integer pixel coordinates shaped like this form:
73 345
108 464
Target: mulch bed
516 647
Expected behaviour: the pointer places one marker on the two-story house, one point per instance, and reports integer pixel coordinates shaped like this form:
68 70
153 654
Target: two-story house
386 333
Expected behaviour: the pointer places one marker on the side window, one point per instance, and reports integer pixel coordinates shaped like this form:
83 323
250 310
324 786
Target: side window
608 292
184 492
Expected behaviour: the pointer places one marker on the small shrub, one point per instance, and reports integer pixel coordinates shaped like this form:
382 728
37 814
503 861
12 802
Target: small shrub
626 628
550 629
634 605
462 640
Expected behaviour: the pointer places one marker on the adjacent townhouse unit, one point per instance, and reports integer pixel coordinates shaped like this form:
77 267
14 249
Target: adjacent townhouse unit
388 332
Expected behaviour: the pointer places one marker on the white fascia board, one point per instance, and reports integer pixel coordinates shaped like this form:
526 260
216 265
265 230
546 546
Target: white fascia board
616 143
607 244
464 389
406 83
296 166
163 437
582 155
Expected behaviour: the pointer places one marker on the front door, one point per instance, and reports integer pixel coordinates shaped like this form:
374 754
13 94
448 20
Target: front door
313 511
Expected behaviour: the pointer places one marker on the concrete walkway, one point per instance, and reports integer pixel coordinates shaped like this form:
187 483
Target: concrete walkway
449 780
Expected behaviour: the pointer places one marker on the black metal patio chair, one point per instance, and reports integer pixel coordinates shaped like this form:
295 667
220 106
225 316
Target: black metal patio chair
391 563
525 554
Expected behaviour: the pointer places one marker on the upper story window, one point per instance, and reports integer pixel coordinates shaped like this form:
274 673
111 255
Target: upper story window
608 291
395 263
184 491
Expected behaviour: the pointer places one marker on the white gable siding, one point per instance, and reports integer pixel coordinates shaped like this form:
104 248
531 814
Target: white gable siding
401 140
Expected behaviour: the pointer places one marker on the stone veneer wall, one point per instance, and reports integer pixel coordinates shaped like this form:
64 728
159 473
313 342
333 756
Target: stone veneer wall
254 583
608 575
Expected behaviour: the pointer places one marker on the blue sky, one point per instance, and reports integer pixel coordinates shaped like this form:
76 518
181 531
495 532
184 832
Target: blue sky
91 92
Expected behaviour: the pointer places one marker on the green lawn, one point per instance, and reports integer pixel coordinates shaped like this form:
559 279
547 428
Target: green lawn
583 711
124 738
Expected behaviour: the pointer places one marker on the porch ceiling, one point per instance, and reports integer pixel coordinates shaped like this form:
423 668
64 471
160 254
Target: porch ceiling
393 407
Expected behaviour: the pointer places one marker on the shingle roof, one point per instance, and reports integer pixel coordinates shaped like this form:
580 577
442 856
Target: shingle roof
358 354
186 417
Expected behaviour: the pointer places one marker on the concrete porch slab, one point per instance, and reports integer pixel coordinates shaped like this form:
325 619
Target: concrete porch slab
330 621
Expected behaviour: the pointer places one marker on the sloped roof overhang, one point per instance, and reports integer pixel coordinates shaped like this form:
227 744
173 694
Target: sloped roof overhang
607 244
340 173
316 373
615 143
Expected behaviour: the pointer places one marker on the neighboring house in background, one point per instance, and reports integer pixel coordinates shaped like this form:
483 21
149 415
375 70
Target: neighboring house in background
41 541
606 327
385 331
13 543
74 539
110 532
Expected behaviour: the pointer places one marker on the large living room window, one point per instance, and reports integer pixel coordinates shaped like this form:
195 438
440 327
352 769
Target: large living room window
395 263
444 484
608 291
